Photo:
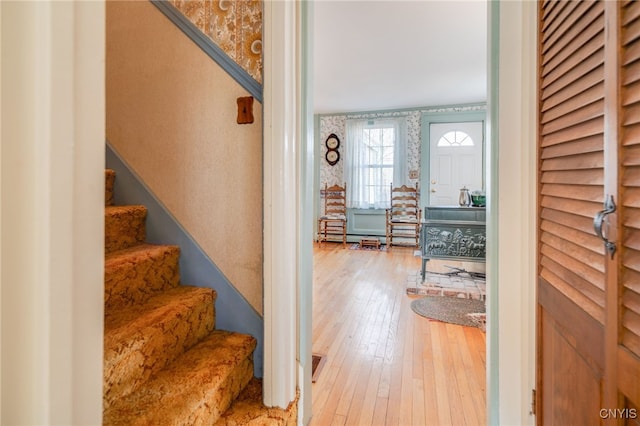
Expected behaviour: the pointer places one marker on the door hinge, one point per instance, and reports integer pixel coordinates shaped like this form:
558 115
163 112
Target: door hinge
533 402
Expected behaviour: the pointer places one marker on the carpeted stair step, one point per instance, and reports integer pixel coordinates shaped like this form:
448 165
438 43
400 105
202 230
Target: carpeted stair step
110 177
195 389
143 339
133 275
124 227
248 409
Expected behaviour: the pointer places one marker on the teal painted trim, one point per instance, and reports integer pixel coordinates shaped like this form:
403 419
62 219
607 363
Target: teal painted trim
434 108
493 321
425 140
233 312
210 48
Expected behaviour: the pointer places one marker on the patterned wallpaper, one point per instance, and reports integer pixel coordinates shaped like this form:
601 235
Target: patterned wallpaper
337 124
234 25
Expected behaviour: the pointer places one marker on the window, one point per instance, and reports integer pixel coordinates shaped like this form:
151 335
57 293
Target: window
454 139
378 162
375 158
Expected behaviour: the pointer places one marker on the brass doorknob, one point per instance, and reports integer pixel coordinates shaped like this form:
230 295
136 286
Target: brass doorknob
433 190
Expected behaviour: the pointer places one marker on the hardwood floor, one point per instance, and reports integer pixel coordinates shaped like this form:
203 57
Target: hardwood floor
385 365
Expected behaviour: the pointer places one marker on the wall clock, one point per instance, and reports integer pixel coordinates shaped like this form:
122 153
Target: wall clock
332 141
332 156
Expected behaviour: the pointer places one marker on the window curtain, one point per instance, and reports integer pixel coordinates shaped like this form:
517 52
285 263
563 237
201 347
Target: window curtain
356 172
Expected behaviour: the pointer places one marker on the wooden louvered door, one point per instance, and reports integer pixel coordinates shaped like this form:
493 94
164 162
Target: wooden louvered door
588 315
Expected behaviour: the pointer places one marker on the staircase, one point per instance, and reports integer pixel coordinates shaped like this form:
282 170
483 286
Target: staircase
164 361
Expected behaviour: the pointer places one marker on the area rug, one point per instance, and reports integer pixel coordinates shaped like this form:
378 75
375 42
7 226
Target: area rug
356 246
450 309
317 362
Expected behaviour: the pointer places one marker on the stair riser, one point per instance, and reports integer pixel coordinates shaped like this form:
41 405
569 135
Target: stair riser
108 192
215 403
134 280
124 229
130 362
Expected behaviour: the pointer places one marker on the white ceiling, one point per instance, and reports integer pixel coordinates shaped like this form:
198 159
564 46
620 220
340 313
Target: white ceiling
378 55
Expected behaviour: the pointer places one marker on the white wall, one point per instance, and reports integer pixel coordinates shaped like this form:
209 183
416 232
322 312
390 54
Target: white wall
52 198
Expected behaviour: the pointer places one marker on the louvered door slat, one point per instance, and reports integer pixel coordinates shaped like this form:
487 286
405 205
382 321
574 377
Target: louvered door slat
631 69
579 223
632 219
631 176
592 160
588 241
631 242
631 135
588 144
631 114
632 95
631 276
632 200
573 192
575 207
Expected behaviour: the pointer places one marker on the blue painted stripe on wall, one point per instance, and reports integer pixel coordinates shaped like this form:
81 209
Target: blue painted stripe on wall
233 312
238 73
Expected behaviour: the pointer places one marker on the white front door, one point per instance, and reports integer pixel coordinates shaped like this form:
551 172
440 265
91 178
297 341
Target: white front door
455 160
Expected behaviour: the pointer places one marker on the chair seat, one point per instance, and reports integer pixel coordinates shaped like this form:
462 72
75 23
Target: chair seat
407 220
334 217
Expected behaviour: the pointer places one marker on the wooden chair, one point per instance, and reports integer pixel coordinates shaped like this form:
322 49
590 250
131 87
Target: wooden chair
332 225
403 217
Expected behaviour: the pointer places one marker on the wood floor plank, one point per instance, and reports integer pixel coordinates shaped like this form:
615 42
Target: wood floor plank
385 365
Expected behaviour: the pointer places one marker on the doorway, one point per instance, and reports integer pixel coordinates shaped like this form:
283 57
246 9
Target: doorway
448 166
511 164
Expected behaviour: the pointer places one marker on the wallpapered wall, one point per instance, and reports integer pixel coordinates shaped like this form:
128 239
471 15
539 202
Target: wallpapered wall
234 25
171 115
333 123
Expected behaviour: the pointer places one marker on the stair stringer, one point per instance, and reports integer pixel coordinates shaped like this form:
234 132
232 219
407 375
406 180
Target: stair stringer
233 311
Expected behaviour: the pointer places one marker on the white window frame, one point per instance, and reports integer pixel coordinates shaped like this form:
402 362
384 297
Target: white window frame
357 165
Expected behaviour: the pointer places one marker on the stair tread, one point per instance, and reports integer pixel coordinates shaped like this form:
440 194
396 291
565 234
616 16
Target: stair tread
155 309
194 386
125 255
124 209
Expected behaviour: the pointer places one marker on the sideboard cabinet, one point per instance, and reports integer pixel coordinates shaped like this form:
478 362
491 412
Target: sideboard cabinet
453 232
